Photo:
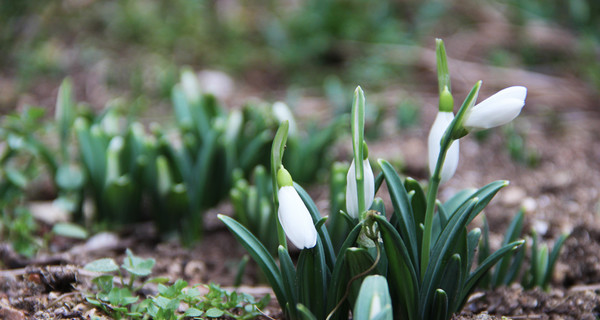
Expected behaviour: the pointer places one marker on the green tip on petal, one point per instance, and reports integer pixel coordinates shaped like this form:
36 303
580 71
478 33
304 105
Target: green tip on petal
365 151
446 103
284 179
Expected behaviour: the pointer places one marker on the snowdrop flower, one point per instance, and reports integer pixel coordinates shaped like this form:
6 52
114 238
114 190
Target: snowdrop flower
293 214
282 112
501 108
441 123
351 190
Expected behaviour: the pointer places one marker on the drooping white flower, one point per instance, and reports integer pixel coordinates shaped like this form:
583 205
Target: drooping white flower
351 190
499 109
441 123
282 112
293 214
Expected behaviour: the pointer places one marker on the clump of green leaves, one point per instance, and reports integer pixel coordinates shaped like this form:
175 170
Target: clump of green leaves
20 153
119 298
131 172
424 250
510 268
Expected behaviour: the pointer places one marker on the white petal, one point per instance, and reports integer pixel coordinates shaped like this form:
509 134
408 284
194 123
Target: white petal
441 123
369 184
295 219
497 110
351 190
282 112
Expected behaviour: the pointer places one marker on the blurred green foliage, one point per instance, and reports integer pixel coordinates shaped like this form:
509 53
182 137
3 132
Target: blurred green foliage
138 46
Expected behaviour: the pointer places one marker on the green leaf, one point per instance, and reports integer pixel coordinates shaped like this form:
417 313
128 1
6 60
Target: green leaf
359 260
484 196
64 112
305 312
322 230
290 284
340 276
136 265
472 244
192 312
451 282
441 252
402 275
16 177
214 313
373 300
553 258
418 201
104 283
358 127
402 209
312 274
69 177
260 255
69 230
102 265
512 233
442 65
440 305
121 297
482 269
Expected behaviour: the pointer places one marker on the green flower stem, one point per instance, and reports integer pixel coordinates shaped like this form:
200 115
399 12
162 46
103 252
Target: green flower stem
434 184
454 132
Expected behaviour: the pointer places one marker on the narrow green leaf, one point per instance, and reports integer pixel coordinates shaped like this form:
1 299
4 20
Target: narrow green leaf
512 233
374 301
482 269
553 258
442 65
441 251
289 280
402 275
472 244
340 276
321 230
515 267
260 255
277 150
312 276
402 209
418 201
305 312
451 282
440 305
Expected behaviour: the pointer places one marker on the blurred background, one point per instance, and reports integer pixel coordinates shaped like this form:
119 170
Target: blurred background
134 49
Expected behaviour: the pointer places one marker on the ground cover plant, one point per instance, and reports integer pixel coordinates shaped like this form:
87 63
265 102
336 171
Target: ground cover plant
121 301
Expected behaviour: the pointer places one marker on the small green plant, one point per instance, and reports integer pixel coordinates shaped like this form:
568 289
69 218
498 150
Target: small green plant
20 154
118 297
510 268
